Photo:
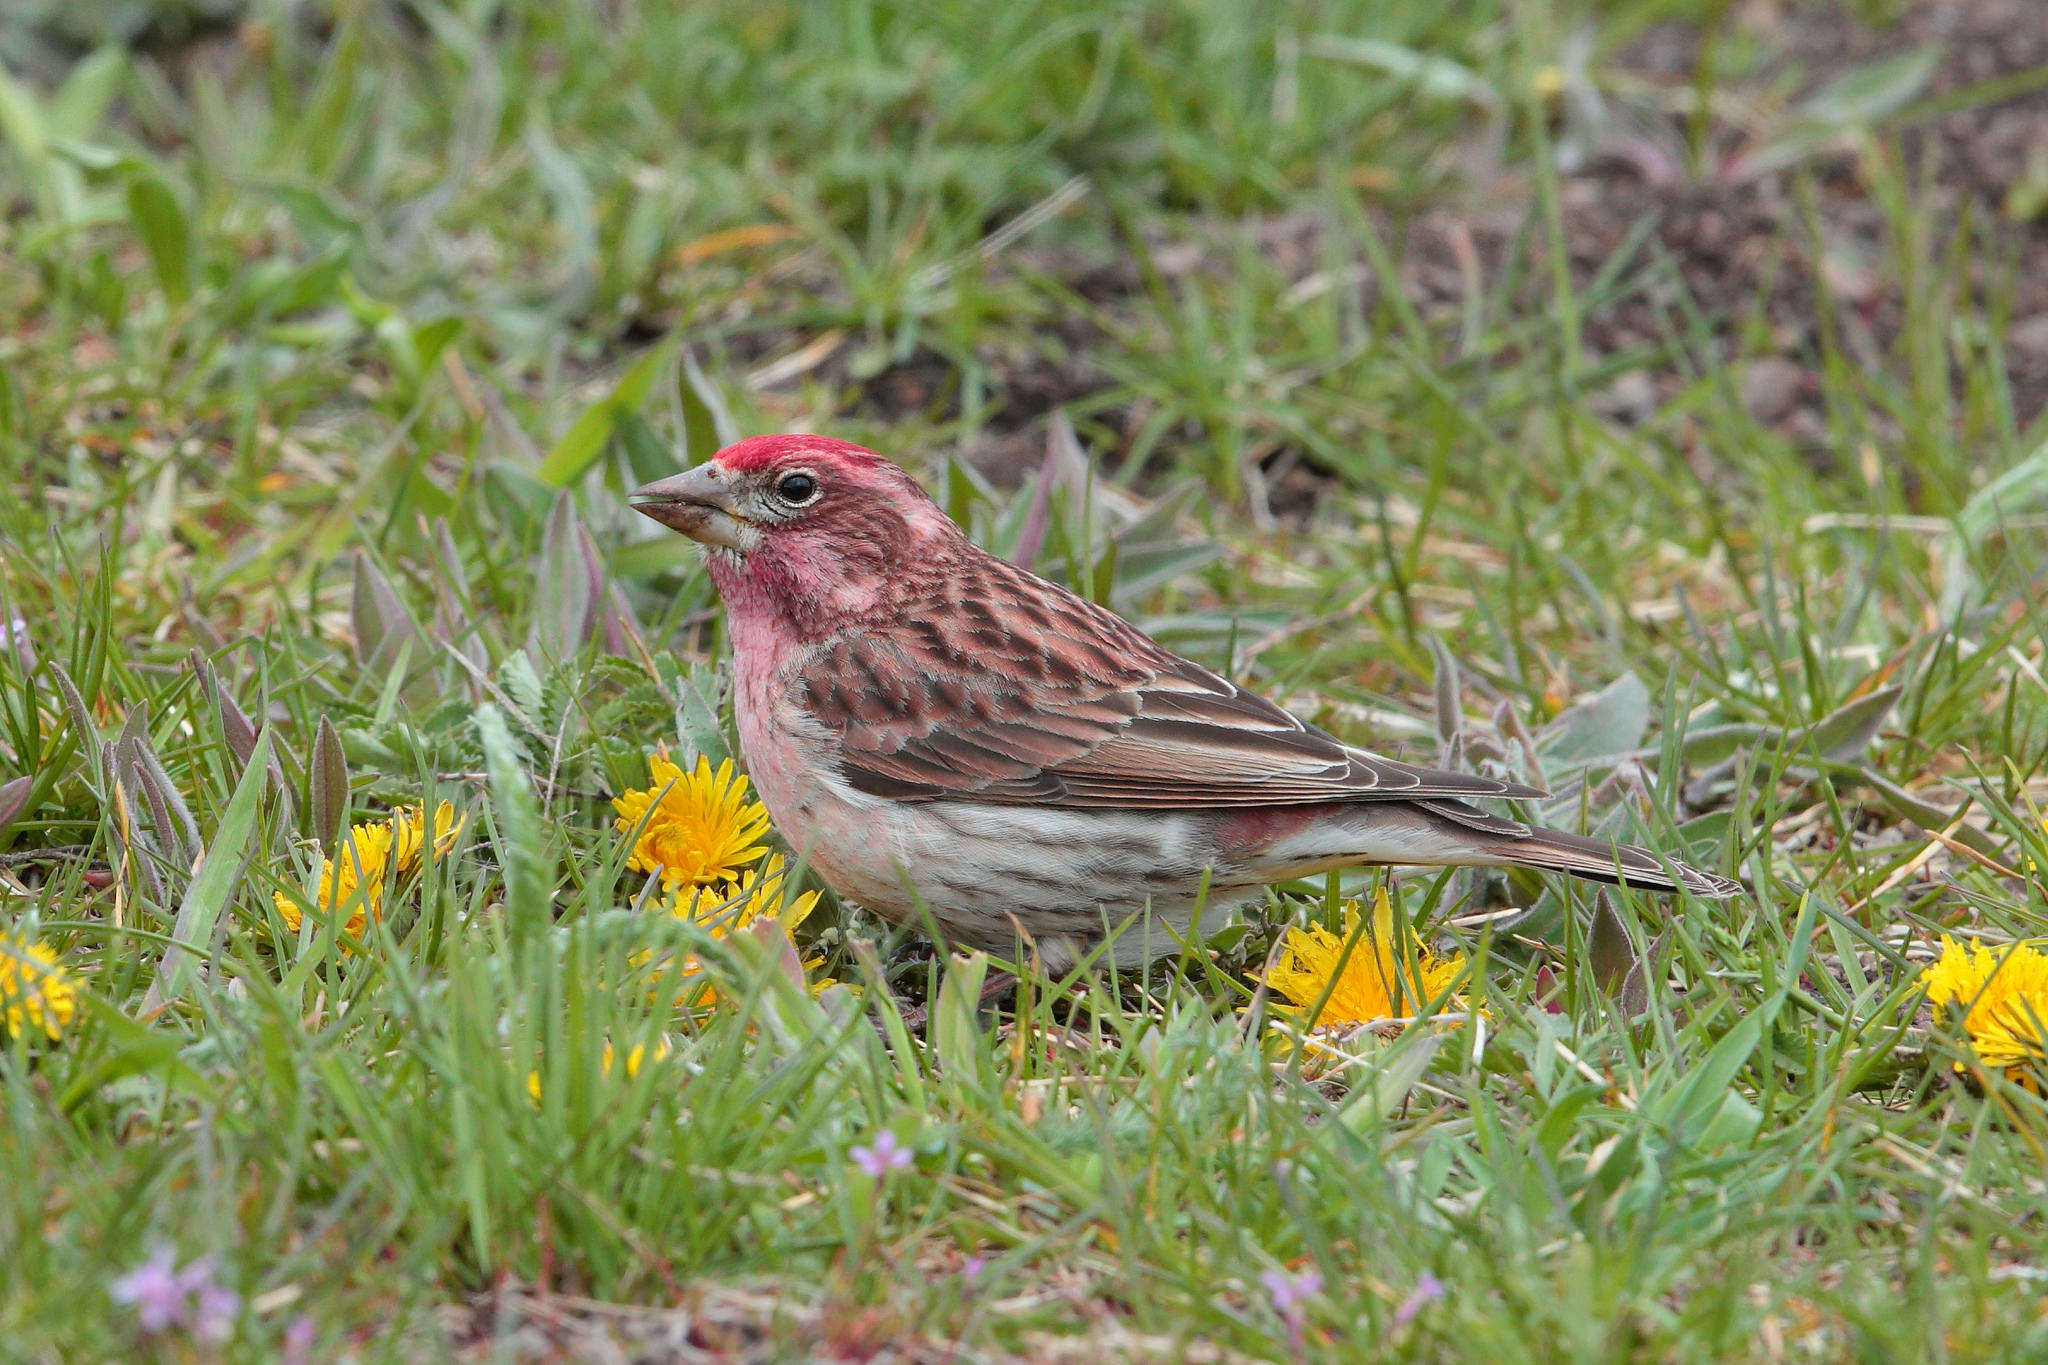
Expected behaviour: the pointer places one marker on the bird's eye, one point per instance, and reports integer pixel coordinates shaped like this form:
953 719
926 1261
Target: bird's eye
796 489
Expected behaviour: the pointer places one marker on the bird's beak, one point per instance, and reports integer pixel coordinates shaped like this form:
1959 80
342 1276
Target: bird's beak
698 503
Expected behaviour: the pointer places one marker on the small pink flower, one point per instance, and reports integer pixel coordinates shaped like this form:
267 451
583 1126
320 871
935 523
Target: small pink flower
1428 1289
214 1312
1289 1293
165 1296
885 1155
971 1268
154 1288
298 1341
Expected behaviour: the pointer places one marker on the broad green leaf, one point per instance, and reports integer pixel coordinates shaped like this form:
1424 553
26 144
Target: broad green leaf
1385 1086
2017 489
1140 570
13 799
664 554
516 830
381 625
646 455
22 122
1559 1122
1869 92
1843 734
213 883
1608 950
707 425
568 594
585 439
182 831
235 725
1431 75
328 777
137 1049
1611 721
697 722
1693 1106
1734 1122
83 725
1450 706
310 285
1862 97
579 446
429 339
955 1032
772 975
82 101
166 235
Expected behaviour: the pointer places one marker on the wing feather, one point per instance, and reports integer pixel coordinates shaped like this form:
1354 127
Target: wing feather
1040 697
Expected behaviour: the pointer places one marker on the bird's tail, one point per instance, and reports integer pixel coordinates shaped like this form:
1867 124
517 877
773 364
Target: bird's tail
1549 850
1441 832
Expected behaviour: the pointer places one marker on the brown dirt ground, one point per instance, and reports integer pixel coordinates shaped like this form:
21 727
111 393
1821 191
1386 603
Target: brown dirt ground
1740 244
1738 252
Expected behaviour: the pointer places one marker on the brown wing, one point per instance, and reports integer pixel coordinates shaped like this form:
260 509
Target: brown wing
1013 690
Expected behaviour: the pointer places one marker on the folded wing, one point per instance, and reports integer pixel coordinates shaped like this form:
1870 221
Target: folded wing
1023 693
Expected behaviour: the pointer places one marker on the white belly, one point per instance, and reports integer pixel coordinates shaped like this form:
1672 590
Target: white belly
980 873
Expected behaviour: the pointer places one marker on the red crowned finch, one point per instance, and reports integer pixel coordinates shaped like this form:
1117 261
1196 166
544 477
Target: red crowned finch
939 730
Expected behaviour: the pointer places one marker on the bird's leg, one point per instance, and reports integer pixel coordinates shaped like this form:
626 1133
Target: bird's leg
993 990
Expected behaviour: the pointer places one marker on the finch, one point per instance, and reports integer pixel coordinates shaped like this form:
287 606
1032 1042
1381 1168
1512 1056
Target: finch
942 733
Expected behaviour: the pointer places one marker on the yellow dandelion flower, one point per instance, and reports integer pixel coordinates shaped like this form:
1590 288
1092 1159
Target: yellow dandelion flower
35 992
361 863
699 828
635 1056
1373 982
634 1059
409 826
724 909
2001 998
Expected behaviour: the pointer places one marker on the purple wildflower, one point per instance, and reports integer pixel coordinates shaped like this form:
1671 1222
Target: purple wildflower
165 1296
1428 1289
14 635
886 1155
1289 1293
214 1313
155 1290
971 1268
298 1341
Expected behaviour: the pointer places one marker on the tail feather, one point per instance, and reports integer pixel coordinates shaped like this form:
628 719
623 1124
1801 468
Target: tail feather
1516 844
1447 833
1550 850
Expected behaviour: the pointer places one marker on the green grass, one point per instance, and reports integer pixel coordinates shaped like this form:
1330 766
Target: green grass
328 348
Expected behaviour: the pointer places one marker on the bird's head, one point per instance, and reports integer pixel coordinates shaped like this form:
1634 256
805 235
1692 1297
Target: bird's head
805 528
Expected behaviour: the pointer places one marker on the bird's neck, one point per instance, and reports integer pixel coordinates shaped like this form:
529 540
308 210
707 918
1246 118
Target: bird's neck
803 589
773 601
